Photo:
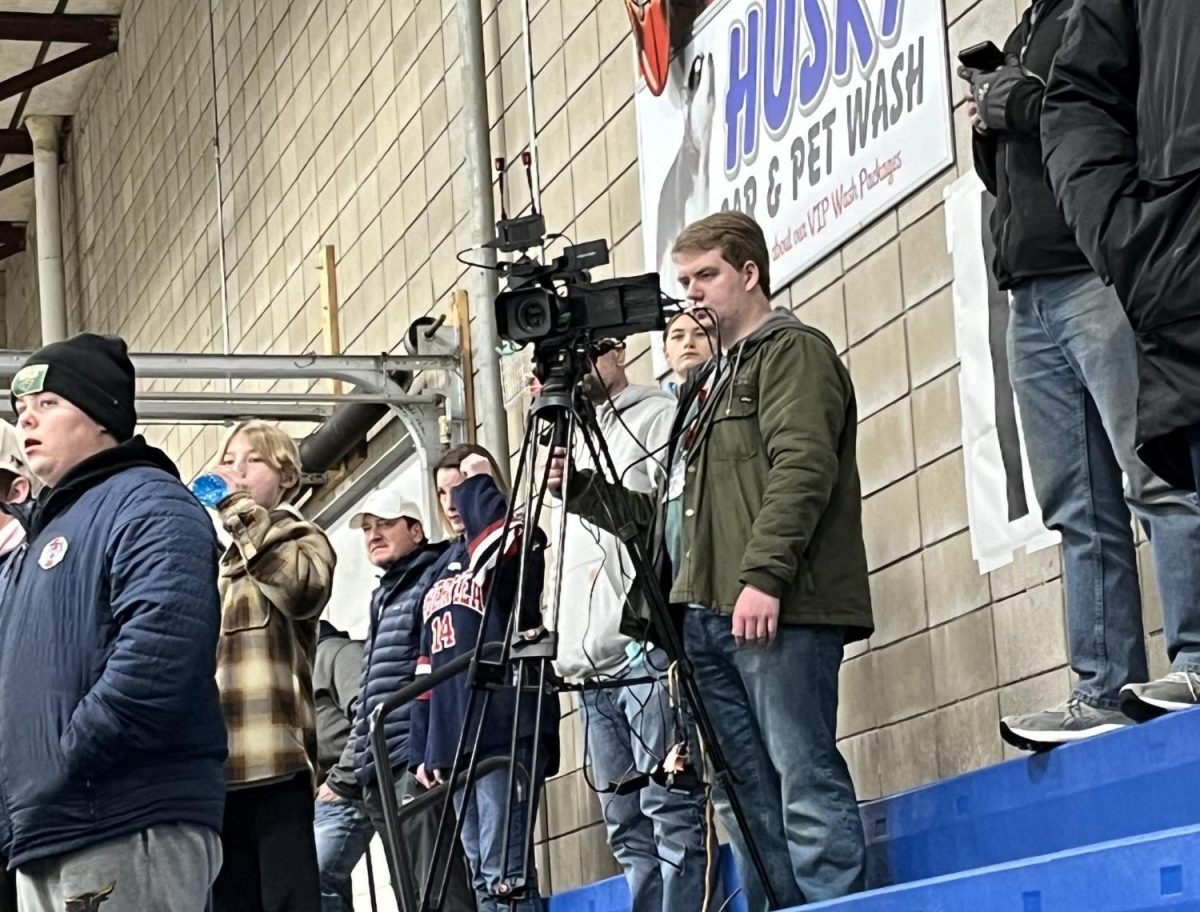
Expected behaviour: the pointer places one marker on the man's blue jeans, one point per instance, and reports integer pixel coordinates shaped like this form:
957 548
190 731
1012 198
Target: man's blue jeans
483 837
774 709
656 833
1073 363
343 832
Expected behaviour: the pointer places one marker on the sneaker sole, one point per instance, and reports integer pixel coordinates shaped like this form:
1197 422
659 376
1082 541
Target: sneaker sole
1143 709
1044 741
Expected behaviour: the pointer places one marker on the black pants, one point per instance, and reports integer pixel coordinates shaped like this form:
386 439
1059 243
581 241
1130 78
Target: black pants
8 888
418 830
270 853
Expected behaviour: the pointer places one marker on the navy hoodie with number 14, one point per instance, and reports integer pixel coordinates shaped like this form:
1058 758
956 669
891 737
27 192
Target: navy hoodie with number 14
453 611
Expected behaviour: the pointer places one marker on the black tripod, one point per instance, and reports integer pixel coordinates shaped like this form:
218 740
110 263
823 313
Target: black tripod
563 410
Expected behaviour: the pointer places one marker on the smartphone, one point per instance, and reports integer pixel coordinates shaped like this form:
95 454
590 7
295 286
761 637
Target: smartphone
984 57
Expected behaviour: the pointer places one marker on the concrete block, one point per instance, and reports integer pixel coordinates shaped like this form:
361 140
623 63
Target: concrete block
581 112
595 857
907 754
551 85
879 368
565 862
1156 656
927 198
964 657
885 447
931 344
589 173
953 584
898 601
968 735
1030 633
924 261
942 490
856 696
1152 609
582 52
625 202
874 295
937 418
891 524
862 757
562 808
621 139
1026 570
869 240
904 679
826 311
816 279
546 36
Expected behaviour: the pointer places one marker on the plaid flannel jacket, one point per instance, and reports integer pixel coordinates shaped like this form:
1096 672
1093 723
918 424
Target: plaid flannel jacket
275 581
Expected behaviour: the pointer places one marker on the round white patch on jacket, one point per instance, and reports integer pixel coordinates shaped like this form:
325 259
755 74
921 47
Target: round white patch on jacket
53 553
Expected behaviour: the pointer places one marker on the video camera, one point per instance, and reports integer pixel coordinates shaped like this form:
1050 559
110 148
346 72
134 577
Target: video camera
555 305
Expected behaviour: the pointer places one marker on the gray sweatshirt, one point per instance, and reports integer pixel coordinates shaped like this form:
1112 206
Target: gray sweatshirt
597 574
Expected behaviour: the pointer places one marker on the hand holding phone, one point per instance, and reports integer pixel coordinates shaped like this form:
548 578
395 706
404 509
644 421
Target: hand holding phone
984 57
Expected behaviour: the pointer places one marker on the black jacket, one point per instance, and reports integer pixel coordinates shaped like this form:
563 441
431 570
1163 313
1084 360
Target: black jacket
1032 238
1121 133
336 677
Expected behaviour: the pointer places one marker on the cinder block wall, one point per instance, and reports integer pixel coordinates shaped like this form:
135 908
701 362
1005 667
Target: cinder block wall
340 123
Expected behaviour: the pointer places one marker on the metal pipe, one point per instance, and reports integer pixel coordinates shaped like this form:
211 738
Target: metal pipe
44 131
226 340
485 285
531 107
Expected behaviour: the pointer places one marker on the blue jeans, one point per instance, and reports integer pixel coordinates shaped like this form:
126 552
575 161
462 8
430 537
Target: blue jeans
774 709
656 833
1073 364
483 838
343 832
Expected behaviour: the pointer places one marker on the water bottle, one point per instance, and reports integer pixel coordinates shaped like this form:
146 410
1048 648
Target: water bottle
210 489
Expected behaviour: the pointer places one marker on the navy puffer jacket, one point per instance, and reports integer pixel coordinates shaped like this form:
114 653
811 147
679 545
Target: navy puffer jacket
390 656
108 639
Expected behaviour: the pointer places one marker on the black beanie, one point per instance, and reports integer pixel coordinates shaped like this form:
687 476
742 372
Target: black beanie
91 372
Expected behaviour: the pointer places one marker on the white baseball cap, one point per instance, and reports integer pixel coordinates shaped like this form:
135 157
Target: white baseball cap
12 454
386 503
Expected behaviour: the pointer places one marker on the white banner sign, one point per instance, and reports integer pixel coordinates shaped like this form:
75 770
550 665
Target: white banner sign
1001 504
813 116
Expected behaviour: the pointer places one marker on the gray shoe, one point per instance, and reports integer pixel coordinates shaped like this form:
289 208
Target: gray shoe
1072 721
1177 691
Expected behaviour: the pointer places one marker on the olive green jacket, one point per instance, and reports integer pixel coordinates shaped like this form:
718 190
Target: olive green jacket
772 496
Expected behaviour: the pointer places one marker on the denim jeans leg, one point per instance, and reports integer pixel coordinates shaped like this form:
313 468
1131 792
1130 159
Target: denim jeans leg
708 643
343 831
630 832
1094 331
677 814
820 809
483 840
1079 486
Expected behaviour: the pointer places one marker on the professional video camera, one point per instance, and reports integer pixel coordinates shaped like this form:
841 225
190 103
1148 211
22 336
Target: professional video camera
555 305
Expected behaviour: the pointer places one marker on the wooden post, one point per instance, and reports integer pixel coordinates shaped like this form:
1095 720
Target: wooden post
460 316
331 317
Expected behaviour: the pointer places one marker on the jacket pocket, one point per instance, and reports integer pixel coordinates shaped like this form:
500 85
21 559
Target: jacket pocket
245 614
734 434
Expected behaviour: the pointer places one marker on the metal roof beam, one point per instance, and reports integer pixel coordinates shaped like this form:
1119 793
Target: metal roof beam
15 142
16 176
73 60
12 234
69 28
